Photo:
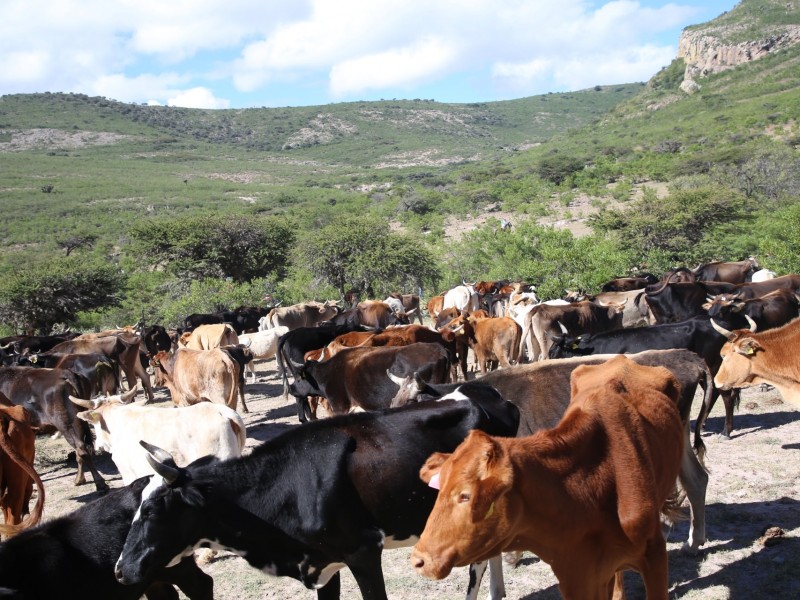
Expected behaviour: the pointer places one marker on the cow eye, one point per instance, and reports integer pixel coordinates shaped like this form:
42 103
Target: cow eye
464 497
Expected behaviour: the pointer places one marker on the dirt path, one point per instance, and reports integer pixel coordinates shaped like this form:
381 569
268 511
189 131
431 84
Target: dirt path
754 485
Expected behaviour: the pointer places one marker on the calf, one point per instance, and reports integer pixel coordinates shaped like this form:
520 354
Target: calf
72 557
187 433
362 496
585 496
493 340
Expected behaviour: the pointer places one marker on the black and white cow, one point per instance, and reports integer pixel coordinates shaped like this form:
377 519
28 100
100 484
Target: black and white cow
320 497
72 557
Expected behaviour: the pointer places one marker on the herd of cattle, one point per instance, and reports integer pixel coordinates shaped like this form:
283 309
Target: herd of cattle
568 450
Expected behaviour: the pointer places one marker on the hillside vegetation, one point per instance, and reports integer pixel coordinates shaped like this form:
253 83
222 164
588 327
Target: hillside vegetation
666 177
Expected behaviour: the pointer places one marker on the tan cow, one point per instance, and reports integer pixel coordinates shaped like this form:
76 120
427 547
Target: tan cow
585 496
207 337
200 375
494 340
750 358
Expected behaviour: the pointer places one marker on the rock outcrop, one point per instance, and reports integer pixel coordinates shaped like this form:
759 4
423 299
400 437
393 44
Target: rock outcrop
704 53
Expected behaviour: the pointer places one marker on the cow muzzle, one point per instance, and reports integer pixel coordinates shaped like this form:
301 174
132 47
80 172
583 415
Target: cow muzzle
432 568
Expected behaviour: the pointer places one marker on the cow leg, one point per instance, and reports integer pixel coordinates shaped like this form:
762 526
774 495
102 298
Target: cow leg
160 590
140 371
694 480
731 399
83 455
331 590
367 571
476 572
241 398
191 579
617 586
654 568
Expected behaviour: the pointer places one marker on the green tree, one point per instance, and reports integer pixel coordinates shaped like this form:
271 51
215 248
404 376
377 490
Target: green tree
779 240
662 232
36 299
363 253
240 247
552 259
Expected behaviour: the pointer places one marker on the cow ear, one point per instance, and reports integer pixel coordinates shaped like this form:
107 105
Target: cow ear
497 476
191 495
90 416
432 467
749 347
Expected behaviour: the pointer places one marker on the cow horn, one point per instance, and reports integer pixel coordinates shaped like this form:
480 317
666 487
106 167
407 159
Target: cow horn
401 381
721 330
167 472
753 325
130 395
564 330
159 454
87 404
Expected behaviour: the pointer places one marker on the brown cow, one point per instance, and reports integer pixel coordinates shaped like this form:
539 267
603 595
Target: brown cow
306 314
541 391
750 358
585 496
493 340
200 375
208 337
17 443
435 306
730 272
122 348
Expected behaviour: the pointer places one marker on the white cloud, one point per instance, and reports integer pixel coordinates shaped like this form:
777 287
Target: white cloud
139 50
198 97
397 67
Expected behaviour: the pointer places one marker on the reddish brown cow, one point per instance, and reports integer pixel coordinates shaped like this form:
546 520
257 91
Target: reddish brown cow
585 496
17 443
493 340
435 306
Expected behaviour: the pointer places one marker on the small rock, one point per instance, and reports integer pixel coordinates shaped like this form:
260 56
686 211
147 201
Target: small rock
771 536
751 405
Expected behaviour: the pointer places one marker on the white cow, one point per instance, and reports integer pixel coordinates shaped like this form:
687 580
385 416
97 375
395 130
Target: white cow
263 345
463 297
763 275
187 433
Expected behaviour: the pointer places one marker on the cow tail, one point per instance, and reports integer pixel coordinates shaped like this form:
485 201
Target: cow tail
112 368
280 358
36 515
699 445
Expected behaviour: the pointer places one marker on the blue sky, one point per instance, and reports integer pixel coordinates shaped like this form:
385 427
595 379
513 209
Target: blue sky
245 53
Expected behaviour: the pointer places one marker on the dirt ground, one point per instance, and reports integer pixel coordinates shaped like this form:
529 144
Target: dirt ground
754 485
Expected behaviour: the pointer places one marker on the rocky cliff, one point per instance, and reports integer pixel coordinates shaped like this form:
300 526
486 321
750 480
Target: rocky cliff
704 51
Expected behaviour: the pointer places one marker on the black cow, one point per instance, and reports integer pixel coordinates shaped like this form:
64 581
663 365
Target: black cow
100 371
31 344
292 348
697 335
359 377
45 393
72 557
769 311
317 498
154 339
676 302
